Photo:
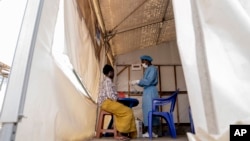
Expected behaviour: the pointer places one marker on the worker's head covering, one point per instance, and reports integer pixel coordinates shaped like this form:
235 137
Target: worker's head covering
146 57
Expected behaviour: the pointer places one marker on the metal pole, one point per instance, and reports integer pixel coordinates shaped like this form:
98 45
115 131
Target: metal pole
18 80
1 83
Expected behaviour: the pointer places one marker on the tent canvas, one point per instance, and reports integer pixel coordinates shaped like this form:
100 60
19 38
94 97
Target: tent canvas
214 52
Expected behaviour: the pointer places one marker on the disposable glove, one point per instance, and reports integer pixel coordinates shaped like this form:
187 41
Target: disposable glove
134 82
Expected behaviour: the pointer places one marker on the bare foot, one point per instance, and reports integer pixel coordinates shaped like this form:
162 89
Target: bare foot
122 138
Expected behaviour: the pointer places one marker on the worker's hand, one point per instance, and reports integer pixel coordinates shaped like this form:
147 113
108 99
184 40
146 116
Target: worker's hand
134 82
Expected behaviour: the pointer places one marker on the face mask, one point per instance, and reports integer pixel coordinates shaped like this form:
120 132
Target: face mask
144 65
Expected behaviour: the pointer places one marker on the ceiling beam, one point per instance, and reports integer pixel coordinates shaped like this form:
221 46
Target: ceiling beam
132 12
99 16
140 26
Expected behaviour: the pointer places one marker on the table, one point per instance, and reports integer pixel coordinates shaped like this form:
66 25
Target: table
130 102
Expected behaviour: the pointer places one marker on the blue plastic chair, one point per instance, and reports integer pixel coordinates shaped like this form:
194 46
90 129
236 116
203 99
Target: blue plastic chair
168 116
191 120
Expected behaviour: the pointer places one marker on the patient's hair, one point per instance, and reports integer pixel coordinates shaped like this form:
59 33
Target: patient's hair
107 68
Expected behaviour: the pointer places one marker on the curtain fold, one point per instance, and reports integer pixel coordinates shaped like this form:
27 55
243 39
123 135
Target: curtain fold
215 54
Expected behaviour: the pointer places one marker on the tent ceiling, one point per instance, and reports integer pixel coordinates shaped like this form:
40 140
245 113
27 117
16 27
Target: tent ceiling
137 24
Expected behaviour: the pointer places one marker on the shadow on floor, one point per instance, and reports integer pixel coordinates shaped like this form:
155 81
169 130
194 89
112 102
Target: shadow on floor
179 138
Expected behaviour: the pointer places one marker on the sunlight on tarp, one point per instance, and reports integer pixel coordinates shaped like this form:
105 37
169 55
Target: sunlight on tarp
11 14
59 53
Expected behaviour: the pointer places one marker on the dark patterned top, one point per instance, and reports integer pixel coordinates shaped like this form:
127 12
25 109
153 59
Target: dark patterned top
107 91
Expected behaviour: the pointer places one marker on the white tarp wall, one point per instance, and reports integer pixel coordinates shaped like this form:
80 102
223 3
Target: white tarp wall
53 108
80 49
215 53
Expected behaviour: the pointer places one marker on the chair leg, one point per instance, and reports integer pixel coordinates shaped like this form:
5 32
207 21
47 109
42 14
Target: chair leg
171 126
99 126
114 126
150 118
191 121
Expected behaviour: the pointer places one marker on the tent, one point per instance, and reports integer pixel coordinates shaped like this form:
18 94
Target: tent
46 100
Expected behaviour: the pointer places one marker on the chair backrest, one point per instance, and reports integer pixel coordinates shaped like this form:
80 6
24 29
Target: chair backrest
164 101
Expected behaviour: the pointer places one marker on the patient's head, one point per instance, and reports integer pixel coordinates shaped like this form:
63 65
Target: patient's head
108 70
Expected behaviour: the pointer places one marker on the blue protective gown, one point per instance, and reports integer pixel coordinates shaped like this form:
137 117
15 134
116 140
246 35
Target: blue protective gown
149 82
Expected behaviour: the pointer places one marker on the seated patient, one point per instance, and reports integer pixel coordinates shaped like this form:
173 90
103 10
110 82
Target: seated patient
107 100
